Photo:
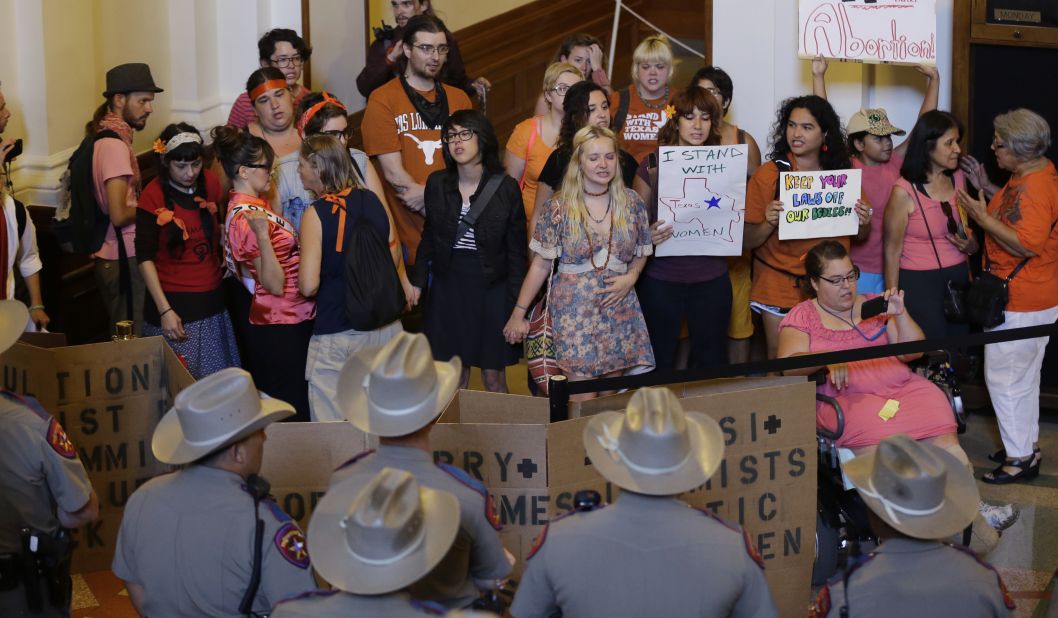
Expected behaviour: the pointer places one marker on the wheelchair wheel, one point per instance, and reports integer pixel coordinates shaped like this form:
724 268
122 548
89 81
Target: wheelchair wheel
828 548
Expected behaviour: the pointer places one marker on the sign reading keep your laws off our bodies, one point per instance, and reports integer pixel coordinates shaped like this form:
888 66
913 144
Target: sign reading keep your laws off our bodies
874 31
819 204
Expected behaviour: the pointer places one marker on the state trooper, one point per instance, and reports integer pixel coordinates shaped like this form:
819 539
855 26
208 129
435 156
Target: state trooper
207 540
371 542
648 554
44 489
396 392
917 493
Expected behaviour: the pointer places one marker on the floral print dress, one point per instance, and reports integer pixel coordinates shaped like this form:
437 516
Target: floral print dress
592 340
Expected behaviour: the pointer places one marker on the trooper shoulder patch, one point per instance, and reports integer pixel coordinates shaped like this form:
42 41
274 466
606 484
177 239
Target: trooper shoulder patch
1007 599
290 541
465 479
821 606
354 459
59 441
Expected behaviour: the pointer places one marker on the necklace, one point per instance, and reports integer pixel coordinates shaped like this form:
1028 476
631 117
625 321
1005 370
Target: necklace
851 322
603 217
664 98
591 246
599 194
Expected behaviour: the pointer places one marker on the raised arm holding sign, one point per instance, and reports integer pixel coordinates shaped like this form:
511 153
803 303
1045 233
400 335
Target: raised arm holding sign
875 31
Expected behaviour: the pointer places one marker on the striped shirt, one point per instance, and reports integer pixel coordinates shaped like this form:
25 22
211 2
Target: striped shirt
467 242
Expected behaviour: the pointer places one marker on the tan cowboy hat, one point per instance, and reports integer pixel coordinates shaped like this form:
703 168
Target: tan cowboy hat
13 319
874 121
383 536
654 447
216 411
919 489
398 388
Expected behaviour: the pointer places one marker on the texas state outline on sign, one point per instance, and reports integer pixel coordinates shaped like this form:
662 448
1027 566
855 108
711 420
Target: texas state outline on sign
694 221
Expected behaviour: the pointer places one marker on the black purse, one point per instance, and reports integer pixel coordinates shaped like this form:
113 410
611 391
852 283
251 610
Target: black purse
955 292
987 297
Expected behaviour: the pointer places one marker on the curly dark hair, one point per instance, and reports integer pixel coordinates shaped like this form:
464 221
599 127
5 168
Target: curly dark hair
576 112
835 152
266 46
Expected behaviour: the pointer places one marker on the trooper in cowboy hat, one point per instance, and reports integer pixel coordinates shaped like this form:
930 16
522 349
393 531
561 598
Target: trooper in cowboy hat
188 543
917 493
396 392
372 541
691 562
43 485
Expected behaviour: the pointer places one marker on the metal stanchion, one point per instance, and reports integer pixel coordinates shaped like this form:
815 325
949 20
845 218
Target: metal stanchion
558 395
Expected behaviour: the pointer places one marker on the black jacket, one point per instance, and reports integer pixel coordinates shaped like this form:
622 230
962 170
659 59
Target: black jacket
499 233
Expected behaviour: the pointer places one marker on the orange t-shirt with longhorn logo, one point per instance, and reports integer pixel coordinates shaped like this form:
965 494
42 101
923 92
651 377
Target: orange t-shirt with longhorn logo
391 124
639 135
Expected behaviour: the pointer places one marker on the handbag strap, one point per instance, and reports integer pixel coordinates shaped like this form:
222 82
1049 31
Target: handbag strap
914 192
468 220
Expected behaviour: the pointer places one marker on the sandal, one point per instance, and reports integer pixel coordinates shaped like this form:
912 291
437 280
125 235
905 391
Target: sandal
1001 455
1026 471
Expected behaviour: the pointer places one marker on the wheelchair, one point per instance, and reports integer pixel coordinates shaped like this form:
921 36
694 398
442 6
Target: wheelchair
842 526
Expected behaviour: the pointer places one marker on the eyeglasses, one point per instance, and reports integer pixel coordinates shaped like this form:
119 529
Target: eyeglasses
998 145
458 136
429 50
849 278
256 166
286 61
336 134
561 89
953 227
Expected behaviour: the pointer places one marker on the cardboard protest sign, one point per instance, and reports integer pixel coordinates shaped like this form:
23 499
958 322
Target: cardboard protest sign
702 194
819 204
875 31
108 397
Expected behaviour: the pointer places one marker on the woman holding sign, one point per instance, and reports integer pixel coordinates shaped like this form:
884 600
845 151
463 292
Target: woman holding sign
597 231
685 287
808 138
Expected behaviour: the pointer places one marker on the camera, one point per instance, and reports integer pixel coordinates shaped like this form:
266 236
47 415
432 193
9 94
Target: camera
14 153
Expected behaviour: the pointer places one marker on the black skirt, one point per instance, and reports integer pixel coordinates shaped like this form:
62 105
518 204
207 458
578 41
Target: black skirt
465 316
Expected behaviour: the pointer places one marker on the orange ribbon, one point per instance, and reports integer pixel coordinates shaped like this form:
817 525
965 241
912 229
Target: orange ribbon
272 84
310 112
210 206
166 216
337 201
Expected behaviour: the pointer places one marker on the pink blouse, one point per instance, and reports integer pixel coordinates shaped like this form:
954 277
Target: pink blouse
918 251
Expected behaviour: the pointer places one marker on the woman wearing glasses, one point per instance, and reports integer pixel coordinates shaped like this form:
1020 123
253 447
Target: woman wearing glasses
533 140
476 274
282 49
926 239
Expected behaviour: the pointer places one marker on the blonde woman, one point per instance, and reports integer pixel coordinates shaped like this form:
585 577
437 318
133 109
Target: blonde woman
638 111
327 171
598 232
534 139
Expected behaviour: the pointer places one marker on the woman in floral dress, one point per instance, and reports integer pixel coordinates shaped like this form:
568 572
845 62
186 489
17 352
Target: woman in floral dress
597 230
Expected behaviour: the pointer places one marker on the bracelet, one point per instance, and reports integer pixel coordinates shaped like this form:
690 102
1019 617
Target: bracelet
165 312
524 309
35 307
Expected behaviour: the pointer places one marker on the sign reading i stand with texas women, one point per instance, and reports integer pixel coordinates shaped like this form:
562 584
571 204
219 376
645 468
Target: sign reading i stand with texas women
702 195
818 204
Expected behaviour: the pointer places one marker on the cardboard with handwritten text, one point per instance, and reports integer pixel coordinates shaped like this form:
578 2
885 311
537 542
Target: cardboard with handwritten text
874 31
108 397
702 194
819 204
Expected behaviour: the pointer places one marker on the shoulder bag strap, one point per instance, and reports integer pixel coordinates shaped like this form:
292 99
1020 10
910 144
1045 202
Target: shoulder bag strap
624 99
914 193
468 220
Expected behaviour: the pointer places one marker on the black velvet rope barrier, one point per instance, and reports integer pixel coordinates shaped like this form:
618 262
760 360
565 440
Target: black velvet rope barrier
560 388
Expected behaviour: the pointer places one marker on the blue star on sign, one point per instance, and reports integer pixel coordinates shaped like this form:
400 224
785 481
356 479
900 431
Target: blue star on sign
713 202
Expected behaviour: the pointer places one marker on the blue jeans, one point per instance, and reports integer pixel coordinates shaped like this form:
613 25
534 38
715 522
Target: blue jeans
707 308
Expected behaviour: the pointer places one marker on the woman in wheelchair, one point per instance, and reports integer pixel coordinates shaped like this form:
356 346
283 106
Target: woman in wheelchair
880 397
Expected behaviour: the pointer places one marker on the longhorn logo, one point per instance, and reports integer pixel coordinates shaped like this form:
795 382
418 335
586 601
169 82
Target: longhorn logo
428 147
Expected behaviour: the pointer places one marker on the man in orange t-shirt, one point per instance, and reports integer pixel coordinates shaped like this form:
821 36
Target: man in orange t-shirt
402 125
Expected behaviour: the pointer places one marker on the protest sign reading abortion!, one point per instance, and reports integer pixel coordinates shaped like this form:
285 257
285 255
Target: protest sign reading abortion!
702 194
890 31
818 204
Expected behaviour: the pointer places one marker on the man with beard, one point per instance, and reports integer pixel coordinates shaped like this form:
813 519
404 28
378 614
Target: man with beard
402 124
116 181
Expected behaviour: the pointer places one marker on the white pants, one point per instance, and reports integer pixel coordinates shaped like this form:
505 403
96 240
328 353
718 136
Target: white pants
327 356
1012 374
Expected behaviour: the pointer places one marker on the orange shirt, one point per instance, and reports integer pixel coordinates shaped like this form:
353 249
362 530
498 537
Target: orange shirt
1029 205
639 135
391 124
771 287
535 158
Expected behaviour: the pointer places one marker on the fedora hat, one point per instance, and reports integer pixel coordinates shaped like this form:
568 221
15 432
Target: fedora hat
13 319
874 121
654 447
216 411
130 77
398 388
382 536
919 489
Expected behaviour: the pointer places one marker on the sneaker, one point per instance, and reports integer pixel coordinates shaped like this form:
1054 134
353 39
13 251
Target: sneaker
1000 517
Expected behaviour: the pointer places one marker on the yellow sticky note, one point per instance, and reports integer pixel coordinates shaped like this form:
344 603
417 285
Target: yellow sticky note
889 410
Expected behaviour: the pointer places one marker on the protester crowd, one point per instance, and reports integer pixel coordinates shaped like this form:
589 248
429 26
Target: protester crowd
279 258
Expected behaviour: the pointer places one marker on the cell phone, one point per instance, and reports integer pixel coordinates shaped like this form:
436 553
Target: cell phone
14 152
873 307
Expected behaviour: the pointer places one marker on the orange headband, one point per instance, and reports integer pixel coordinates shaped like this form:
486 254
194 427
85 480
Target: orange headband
310 112
272 84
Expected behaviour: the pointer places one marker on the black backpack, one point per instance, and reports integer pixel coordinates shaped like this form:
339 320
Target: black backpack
79 225
373 294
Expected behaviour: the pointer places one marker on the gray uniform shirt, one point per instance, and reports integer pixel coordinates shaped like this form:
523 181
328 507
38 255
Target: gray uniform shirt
909 577
188 539
336 604
642 556
38 464
476 554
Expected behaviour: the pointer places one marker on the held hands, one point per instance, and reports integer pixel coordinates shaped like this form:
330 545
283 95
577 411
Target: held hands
412 294
838 375
896 302
517 327
173 326
619 287
660 231
772 212
864 212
